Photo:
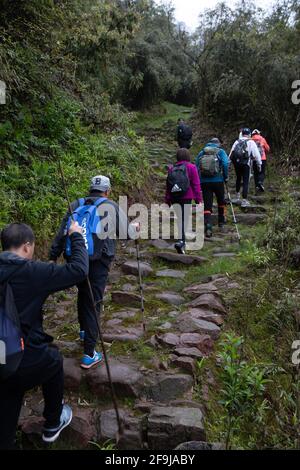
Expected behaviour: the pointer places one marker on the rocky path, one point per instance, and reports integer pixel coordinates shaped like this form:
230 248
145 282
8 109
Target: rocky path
155 374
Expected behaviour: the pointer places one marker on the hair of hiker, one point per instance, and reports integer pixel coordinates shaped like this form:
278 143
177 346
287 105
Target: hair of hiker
15 235
183 154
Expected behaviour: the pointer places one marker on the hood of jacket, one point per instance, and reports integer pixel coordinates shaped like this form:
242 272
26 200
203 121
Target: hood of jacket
9 263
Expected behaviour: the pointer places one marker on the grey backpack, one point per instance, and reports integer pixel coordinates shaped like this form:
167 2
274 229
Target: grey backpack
209 165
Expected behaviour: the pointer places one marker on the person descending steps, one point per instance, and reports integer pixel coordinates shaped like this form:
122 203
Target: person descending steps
264 148
183 186
243 151
212 164
101 245
184 134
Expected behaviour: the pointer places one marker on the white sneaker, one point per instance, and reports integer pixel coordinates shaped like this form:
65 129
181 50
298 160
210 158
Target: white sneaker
245 203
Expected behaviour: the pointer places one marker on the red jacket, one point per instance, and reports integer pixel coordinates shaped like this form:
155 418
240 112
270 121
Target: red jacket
264 145
194 191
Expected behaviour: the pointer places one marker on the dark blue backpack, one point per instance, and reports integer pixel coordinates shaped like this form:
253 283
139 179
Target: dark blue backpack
11 337
87 217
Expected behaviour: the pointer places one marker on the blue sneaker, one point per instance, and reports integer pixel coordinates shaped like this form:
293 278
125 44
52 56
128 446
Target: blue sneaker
81 335
87 361
51 434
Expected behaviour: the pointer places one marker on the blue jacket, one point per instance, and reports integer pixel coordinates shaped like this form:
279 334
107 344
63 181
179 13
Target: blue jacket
224 164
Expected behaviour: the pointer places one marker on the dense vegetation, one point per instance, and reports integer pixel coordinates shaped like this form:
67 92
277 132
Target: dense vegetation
76 71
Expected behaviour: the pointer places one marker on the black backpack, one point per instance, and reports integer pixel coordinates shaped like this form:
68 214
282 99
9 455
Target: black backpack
240 155
11 337
178 181
185 132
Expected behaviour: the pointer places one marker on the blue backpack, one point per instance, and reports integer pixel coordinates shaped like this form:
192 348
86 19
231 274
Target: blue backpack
11 337
87 217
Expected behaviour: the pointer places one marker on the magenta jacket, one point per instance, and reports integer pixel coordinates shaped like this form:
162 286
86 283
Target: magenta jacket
194 192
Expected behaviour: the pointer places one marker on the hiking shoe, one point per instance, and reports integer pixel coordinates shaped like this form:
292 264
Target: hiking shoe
245 203
208 231
180 248
51 434
261 187
87 361
81 335
238 196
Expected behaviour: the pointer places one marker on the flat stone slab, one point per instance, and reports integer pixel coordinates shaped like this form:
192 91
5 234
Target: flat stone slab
214 239
184 259
161 245
124 314
253 208
123 334
171 298
170 426
206 315
185 363
199 289
188 324
251 219
126 379
203 342
224 255
126 298
190 352
163 387
174 273
208 301
131 267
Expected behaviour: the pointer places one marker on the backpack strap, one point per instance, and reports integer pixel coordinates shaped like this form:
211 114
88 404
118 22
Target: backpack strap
100 201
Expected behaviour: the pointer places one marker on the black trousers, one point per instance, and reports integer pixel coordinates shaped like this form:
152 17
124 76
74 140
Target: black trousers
242 175
259 177
184 144
98 274
208 191
47 372
183 212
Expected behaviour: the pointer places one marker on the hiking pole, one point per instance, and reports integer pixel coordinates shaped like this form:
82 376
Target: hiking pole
111 386
138 257
233 213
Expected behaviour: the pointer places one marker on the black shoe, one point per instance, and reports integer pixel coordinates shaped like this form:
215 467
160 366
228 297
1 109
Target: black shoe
208 231
261 187
180 248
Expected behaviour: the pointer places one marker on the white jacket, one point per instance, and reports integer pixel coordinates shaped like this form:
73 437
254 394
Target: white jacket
252 149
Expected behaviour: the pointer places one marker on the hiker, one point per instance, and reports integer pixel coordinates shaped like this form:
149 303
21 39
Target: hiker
264 148
183 186
243 151
102 249
41 365
184 134
212 163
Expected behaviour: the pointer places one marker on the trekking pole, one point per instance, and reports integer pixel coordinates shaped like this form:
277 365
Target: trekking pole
233 213
111 386
138 257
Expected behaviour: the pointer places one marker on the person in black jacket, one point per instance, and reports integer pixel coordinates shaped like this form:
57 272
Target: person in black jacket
115 227
41 365
184 134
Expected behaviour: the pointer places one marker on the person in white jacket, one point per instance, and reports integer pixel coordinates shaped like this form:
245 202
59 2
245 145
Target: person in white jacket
243 151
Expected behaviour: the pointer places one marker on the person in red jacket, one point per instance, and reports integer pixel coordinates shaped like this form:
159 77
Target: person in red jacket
183 187
264 148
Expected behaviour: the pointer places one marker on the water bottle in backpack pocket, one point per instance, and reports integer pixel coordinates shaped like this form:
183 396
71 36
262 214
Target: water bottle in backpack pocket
209 164
87 217
240 154
11 337
178 181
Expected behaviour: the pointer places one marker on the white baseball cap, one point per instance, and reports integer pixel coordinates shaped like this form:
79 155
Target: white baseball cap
100 183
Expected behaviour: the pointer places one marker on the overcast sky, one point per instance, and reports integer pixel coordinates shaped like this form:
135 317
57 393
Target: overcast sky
188 10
